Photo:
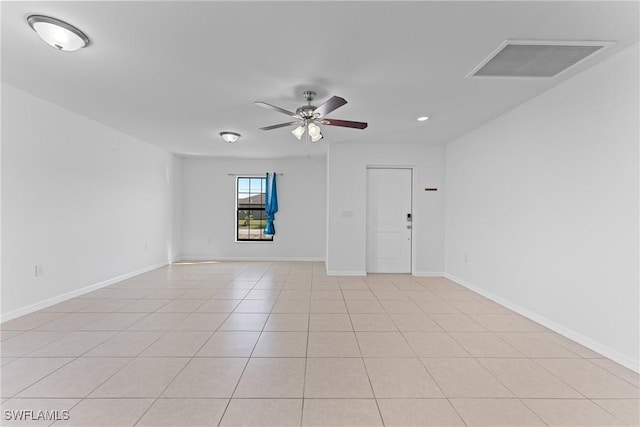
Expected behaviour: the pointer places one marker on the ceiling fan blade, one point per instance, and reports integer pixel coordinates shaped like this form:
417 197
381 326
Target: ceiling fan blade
281 125
278 109
344 123
332 103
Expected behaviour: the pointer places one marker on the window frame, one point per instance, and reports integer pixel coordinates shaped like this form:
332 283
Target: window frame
265 238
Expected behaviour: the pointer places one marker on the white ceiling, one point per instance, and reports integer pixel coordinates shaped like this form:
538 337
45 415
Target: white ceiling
175 74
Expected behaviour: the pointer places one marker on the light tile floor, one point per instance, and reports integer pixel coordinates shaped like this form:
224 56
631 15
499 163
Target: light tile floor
282 344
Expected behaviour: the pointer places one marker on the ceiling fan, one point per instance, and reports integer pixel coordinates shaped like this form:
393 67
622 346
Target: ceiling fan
308 117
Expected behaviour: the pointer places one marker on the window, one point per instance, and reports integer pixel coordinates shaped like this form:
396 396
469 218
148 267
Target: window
250 215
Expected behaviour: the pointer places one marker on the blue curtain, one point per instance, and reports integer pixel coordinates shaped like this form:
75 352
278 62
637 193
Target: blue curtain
271 204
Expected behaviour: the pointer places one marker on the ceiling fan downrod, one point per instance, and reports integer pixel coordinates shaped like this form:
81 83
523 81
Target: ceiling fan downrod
307 111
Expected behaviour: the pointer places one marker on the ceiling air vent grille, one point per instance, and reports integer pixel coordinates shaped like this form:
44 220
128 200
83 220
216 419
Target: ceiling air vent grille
535 58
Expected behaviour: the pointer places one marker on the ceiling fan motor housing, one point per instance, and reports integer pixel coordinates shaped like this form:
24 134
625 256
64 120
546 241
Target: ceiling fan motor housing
307 112
311 116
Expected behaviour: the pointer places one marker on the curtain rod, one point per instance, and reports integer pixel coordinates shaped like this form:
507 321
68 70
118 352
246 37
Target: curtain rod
249 175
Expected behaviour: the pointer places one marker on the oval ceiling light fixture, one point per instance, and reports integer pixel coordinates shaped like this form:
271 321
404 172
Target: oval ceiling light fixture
423 118
230 137
58 34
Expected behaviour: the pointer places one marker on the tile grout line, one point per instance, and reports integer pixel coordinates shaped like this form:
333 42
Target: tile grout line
584 397
235 388
306 357
181 370
395 284
590 360
373 391
435 382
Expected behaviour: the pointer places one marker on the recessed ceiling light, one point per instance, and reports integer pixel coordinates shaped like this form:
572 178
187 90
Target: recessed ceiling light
423 118
230 137
57 33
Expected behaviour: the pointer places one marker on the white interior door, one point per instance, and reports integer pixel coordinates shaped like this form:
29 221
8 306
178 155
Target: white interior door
389 220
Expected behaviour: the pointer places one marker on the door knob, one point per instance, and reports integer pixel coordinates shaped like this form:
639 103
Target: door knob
409 226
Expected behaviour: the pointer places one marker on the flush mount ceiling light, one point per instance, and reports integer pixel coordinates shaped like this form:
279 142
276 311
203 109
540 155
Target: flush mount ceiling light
423 118
58 34
230 137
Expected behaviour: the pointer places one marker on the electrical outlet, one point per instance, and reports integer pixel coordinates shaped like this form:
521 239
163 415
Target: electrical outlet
466 258
39 270
146 247
209 240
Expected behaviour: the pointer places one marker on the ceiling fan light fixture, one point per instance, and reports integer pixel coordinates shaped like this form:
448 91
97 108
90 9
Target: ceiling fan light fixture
230 137
314 130
308 117
298 132
58 34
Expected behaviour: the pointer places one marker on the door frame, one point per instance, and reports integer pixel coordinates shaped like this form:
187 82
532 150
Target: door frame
413 211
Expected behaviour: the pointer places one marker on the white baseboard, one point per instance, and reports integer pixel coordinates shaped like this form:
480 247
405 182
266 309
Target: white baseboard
61 298
364 273
249 259
346 273
428 273
596 346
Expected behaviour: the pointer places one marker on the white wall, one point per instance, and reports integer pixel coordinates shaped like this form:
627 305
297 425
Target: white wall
346 235
79 198
208 200
544 203
176 211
